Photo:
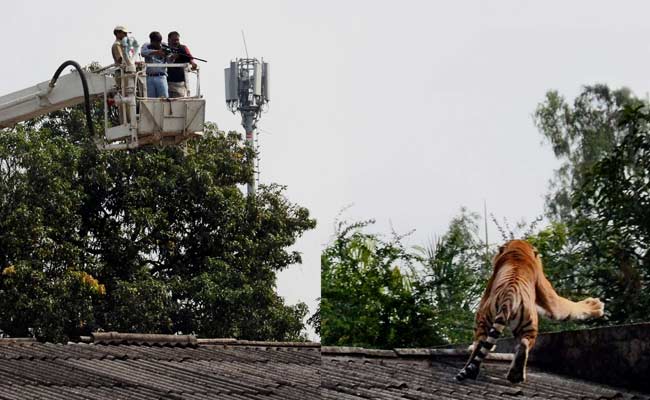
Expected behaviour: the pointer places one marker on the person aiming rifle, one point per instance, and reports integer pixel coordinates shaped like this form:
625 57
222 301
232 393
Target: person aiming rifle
178 54
171 50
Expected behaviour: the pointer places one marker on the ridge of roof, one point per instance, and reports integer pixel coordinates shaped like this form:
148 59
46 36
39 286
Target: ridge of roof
10 340
406 353
143 338
148 339
262 343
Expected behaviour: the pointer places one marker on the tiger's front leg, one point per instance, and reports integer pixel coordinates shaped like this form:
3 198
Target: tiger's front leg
553 306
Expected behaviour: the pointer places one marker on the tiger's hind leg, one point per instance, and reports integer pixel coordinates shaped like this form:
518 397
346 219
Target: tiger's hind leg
527 334
517 371
482 346
471 368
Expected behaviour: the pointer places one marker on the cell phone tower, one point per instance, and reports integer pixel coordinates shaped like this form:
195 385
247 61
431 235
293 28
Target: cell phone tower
247 92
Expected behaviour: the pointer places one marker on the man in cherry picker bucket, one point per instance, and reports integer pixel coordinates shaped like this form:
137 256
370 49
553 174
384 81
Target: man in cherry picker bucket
153 53
117 51
176 79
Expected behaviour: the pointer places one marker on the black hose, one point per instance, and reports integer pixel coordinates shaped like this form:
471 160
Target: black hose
84 83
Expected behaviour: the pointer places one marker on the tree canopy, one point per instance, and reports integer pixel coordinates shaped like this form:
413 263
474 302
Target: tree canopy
580 133
148 240
370 295
604 140
377 293
455 269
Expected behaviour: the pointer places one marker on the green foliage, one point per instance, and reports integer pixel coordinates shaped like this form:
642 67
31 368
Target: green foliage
140 304
580 135
605 206
563 267
168 233
314 320
50 305
613 220
456 268
375 293
370 295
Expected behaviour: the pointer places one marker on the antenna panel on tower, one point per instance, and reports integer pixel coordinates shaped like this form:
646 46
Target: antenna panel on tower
265 81
258 79
232 82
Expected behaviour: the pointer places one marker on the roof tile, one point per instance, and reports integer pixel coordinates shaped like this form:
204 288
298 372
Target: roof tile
424 378
227 371
260 370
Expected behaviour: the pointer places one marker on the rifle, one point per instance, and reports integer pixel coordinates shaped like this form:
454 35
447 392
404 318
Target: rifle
173 50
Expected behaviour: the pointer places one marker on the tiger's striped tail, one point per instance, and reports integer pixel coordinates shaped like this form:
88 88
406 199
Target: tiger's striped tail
482 349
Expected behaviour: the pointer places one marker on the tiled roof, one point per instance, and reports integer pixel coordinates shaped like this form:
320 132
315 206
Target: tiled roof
419 376
190 368
94 371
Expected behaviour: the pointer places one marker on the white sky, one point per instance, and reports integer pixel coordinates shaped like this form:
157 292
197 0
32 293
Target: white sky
409 110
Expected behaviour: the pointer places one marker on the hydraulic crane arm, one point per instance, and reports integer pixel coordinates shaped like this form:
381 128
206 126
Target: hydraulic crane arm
41 99
142 120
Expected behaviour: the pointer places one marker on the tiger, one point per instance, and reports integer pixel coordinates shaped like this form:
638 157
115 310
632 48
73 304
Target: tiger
516 294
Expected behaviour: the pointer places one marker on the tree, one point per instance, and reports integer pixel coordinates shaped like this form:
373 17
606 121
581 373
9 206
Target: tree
314 320
602 198
454 276
580 135
563 264
376 293
370 296
166 234
613 219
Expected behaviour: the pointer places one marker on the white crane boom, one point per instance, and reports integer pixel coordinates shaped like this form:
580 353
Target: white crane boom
41 99
143 120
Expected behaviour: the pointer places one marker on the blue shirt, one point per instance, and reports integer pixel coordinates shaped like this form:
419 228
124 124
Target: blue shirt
153 59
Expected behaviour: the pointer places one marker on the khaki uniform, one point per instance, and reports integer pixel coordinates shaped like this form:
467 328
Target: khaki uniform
118 57
178 89
118 52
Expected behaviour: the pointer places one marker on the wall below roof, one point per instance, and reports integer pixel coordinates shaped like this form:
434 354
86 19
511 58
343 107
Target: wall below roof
614 355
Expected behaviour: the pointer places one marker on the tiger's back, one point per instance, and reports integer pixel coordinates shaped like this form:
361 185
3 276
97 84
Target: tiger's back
510 299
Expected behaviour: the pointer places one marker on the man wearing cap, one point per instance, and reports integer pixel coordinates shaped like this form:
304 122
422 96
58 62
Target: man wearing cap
156 77
117 50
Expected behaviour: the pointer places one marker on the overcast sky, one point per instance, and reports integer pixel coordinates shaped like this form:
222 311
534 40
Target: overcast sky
406 109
